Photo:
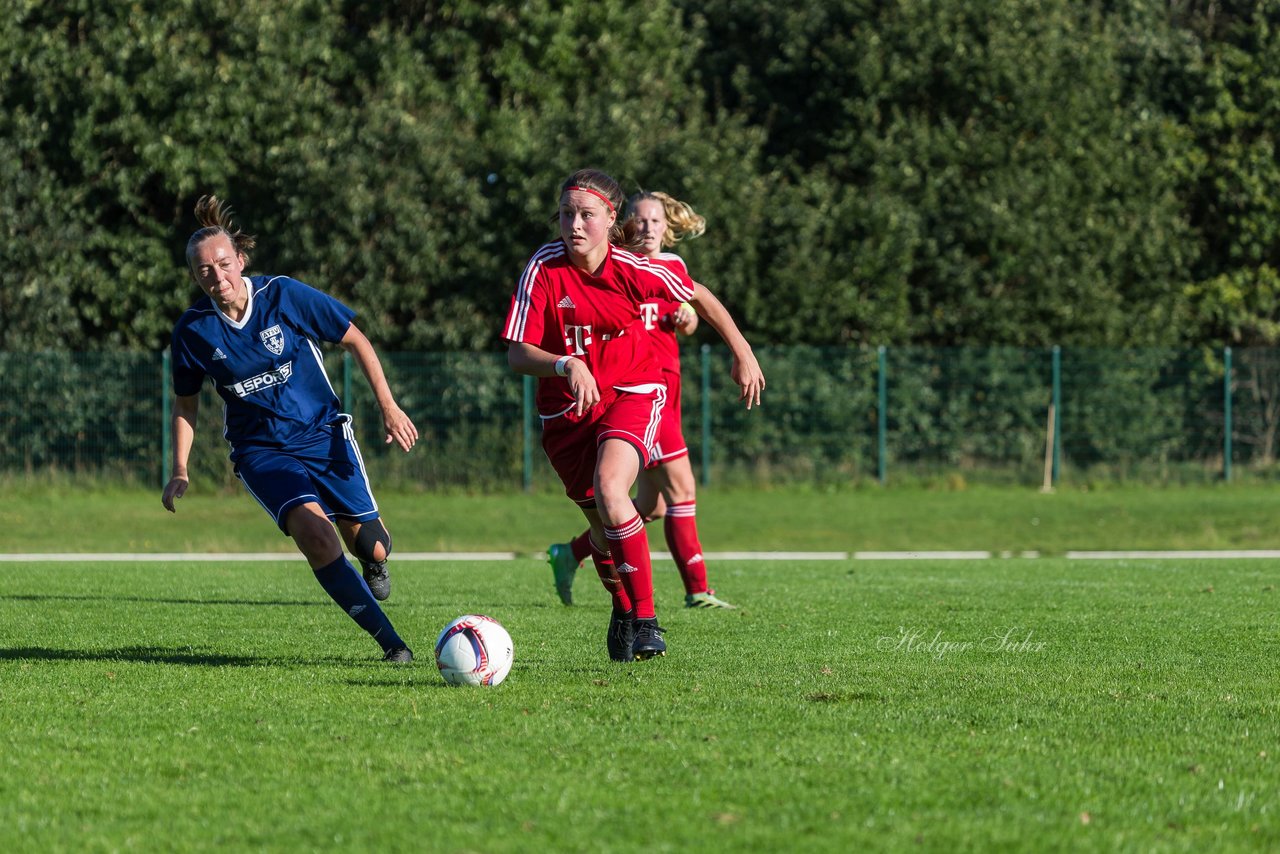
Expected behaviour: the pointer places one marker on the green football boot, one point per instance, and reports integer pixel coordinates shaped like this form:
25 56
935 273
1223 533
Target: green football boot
563 568
707 600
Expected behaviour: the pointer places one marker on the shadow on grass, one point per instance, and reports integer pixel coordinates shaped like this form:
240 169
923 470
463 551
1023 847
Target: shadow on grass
186 657
59 597
148 654
325 603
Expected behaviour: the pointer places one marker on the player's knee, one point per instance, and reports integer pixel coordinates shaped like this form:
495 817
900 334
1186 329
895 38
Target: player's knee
371 535
650 511
313 534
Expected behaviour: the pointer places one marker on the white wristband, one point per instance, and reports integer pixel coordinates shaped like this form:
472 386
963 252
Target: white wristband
562 366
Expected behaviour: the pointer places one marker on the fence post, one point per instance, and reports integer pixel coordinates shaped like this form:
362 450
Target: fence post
1057 411
706 414
527 420
882 414
1226 414
166 430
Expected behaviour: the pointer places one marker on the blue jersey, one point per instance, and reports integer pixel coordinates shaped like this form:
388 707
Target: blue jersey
267 367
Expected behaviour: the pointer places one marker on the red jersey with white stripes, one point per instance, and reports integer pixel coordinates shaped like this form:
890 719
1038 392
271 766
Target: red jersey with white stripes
666 346
564 310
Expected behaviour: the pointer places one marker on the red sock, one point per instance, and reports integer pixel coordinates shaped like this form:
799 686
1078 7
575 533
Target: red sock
609 577
581 546
630 549
681 527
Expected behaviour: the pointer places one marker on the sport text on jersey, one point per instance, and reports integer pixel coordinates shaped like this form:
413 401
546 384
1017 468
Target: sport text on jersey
277 376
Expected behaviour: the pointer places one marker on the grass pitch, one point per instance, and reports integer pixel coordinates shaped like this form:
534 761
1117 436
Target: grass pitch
1019 704
70 518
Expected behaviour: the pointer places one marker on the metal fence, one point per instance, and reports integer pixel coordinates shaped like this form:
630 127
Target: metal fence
829 416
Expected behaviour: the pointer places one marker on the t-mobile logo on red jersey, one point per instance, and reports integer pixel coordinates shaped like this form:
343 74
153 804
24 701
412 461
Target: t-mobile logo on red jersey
577 339
649 314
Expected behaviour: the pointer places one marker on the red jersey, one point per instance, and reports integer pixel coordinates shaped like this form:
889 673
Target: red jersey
666 345
562 309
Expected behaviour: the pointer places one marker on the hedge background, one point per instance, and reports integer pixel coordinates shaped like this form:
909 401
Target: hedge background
959 172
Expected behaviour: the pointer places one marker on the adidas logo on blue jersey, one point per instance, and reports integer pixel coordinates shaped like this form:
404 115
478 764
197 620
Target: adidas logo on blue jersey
218 354
565 303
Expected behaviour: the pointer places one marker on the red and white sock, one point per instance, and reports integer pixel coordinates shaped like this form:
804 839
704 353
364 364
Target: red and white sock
581 546
630 549
681 528
609 577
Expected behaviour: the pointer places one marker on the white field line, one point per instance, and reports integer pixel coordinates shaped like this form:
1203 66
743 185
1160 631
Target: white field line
1199 554
913 555
762 555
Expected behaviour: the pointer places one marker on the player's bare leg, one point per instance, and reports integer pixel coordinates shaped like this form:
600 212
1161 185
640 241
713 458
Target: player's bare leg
649 502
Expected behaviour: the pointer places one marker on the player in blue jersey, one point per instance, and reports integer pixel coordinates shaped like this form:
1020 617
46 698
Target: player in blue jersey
256 338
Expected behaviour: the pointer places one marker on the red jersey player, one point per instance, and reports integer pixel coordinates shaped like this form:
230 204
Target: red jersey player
574 323
666 489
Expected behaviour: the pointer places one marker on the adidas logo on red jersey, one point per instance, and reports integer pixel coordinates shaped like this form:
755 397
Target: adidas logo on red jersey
565 303
626 567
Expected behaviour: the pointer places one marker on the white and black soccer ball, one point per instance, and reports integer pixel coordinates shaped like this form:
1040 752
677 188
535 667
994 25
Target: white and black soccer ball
474 650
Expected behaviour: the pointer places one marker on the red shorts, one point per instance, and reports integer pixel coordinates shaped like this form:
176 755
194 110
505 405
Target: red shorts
671 444
571 441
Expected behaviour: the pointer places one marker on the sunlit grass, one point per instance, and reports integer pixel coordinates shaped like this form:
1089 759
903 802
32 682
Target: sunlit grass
1040 705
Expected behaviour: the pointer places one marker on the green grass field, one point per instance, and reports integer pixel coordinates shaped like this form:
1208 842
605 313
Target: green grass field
1016 704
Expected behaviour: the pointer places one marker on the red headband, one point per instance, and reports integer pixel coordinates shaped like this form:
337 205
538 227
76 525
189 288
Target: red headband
601 196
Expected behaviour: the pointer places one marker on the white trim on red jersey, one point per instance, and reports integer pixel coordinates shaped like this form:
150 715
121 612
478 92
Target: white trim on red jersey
673 282
671 257
515 327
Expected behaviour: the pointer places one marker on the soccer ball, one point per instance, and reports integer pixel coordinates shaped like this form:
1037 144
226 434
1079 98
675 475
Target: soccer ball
474 650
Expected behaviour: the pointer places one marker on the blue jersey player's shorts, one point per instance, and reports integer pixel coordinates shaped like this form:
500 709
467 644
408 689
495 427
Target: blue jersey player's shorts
328 471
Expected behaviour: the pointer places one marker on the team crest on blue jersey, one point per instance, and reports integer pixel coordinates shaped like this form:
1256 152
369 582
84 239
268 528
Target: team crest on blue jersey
273 339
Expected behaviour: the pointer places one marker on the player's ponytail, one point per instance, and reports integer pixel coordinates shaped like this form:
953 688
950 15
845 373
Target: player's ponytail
214 217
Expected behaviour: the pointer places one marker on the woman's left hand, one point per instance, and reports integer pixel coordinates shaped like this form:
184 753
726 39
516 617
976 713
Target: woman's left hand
750 379
684 319
399 428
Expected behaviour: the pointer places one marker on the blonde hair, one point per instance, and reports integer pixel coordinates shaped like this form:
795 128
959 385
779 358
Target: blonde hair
682 220
214 217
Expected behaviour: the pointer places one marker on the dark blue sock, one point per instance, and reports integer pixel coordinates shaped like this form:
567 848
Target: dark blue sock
345 586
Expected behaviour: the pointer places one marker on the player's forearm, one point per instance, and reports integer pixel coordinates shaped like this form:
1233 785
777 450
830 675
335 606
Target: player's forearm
711 310
366 357
184 431
372 369
536 362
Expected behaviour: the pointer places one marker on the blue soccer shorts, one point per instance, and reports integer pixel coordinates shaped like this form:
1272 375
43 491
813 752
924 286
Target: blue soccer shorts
327 470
